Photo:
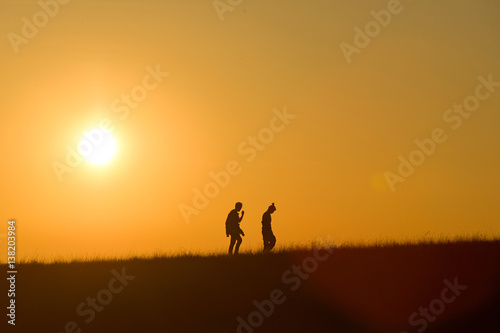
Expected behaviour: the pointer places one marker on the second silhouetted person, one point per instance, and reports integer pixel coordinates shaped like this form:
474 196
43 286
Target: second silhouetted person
267 231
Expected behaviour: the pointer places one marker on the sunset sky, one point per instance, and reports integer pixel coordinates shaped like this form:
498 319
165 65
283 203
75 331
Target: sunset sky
265 88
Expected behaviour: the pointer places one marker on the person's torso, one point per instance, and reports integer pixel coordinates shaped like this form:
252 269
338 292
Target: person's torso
266 221
232 222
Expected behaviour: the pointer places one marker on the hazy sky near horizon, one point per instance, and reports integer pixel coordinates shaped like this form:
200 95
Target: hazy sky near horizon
271 91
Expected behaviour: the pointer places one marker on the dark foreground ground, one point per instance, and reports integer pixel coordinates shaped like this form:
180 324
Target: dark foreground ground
405 288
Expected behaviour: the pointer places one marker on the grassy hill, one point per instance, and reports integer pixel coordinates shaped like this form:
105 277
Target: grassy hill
443 287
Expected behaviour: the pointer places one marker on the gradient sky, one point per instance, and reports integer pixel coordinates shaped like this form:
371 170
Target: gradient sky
325 171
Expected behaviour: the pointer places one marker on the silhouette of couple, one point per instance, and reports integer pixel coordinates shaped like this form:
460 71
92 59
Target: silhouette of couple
233 228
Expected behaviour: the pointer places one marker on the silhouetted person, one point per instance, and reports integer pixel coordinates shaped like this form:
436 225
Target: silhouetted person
233 227
267 231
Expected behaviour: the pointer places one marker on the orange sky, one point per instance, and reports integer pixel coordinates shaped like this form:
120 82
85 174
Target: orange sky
351 115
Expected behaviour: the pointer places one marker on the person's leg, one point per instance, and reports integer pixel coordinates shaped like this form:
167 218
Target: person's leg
267 247
238 243
231 244
272 242
267 235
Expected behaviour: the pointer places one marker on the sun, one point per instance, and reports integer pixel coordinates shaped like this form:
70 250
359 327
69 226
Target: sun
97 147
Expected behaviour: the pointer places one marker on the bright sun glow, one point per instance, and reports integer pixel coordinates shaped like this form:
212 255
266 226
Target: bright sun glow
98 147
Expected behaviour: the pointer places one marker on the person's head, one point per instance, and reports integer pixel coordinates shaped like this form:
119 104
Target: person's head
271 209
238 206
